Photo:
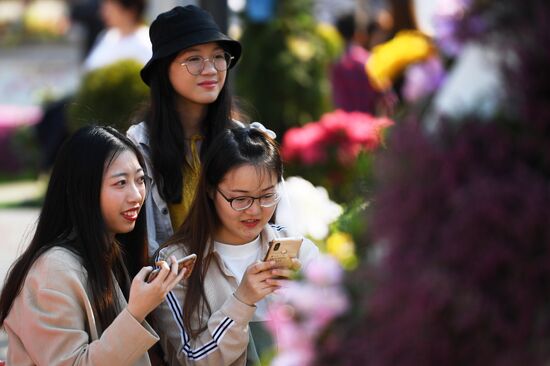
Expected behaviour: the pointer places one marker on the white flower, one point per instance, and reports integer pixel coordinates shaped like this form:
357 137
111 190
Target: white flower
306 210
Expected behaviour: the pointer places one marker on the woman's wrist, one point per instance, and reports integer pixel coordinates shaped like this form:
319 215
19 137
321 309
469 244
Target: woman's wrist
133 313
242 301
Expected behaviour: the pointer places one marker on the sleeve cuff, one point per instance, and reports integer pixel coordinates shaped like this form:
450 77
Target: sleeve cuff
237 310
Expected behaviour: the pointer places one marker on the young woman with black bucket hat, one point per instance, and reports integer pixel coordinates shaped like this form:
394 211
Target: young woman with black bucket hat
190 105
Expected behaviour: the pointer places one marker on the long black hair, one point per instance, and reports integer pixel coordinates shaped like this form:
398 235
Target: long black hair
71 218
231 149
166 134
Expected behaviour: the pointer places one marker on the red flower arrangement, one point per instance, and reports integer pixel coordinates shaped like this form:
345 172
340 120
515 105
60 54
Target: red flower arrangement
334 146
345 133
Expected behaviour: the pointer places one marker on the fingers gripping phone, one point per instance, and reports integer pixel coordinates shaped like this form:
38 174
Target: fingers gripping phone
282 250
185 262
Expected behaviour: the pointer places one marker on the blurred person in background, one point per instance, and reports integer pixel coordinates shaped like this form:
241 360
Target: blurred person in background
351 88
126 37
86 13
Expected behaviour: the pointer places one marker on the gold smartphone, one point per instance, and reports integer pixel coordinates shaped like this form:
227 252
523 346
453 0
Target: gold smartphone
282 250
185 262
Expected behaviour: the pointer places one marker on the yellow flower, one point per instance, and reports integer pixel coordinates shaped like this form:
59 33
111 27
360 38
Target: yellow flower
301 48
341 246
388 60
334 43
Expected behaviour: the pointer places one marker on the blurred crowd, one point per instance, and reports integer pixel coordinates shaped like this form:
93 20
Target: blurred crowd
109 31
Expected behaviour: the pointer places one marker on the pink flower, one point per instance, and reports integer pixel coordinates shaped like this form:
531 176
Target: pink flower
295 357
304 143
303 309
324 271
347 132
335 123
367 131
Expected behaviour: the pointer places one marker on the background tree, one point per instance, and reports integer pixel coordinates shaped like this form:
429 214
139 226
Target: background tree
283 74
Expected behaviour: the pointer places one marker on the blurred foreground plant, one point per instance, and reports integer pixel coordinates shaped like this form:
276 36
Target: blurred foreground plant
460 237
302 311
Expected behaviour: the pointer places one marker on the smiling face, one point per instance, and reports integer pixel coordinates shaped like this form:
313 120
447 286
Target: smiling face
122 193
201 89
240 227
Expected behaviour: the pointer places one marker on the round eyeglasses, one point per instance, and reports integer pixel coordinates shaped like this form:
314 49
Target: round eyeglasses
241 203
195 64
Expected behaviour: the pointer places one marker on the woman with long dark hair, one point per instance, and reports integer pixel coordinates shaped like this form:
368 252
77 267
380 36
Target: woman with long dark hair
68 299
214 317
190 105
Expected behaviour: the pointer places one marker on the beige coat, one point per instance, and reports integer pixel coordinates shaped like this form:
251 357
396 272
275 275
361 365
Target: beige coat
52 321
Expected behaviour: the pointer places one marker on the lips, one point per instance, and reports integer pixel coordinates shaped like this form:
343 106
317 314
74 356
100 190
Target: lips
250 223
208 83
131 214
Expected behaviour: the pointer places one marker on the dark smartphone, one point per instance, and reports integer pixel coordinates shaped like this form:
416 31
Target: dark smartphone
282 250
185 262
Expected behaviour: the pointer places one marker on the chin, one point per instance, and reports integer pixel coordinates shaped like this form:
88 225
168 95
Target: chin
126 229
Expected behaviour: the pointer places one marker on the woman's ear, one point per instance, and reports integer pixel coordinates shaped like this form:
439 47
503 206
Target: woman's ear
210 193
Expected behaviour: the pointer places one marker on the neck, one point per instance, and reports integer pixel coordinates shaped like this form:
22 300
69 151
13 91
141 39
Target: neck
127 28
191 117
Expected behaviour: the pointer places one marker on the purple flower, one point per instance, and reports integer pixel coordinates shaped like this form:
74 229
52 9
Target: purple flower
324 271
448 21
423 79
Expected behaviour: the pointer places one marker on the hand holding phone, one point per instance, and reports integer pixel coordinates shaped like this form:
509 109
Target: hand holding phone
185 262
282 250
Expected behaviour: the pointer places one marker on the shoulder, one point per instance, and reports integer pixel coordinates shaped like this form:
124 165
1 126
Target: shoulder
308 250
278 230
143 34
138 133
57 265
58 258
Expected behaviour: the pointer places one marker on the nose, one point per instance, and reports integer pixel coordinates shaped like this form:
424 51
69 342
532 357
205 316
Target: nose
255 207
136 193
209 67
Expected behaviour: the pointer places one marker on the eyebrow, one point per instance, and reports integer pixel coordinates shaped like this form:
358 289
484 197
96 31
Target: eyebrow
124 174
243 191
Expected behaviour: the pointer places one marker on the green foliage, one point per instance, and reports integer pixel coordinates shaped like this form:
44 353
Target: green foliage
343 182
352 220
283 72
109 95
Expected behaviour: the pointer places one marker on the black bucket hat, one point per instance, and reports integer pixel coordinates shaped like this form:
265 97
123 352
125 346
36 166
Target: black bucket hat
181 28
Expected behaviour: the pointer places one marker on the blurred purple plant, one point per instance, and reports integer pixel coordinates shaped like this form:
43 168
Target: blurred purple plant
453 26
423 79
461 216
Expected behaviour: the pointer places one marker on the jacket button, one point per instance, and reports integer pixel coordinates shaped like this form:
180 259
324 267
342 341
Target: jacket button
164 211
